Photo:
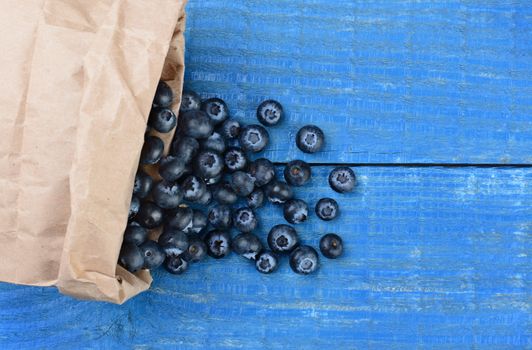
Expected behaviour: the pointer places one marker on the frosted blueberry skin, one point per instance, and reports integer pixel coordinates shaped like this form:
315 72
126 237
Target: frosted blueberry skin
245 220
189 101
254 138
304 260
310 139
331 246
327 209
283 238
163 95
216 109
247 245
295 211
266 262
297 173
218 243
342 179
270 113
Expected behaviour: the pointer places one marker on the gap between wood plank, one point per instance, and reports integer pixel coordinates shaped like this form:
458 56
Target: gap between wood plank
419 165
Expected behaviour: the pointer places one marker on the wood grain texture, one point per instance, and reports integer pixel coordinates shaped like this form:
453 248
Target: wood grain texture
390 81
436 258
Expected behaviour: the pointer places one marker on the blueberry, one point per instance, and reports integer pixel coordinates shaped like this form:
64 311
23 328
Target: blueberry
304 260
242 183
216 109
176 265
150 215
184 147
199 222
173 242
235 159
153 254
189 101
180 218
220 217
224 194
327 209
269 112
214 180
230 129
283 238
247 245
256 199
208 164
152 150
134 207
310 139
218 243
131 257
167 195
163 95
162 119
135 234
278 192
342 179
172 168
193 188
196 250
143 184
206 198
254 138
244 219
266 262
295 211
263 171
331 246
195 124
215 142
297 173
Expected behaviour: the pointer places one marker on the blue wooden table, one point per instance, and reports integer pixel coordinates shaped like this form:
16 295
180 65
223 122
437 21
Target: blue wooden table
431 103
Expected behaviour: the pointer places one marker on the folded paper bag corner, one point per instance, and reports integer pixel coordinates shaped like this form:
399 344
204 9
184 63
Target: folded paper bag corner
78 120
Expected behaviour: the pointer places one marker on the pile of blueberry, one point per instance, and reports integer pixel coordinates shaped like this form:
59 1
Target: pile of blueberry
208 166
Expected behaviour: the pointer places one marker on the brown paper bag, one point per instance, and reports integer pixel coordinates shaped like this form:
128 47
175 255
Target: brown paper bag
78 81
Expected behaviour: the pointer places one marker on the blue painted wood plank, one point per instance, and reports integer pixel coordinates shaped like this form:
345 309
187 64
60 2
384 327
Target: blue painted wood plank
390 81
436 258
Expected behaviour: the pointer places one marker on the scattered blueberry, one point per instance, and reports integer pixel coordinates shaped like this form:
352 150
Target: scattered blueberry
342 179
163 95
172 168
162 119
254 138
135 234
173 242
266 262
143 184
193 188
256 198
195 124
184 147
310 139
224 194
206 198
208 164
196 250
278 192
295 211
189 101
134 207
247 245
283 238
244 219
327 209
242 183
180 218
235 159
263 171
215 142
269 112
176 265
220 217
218 243
331 246
131 257
199 222
216 109
153 254
304 260
150 215
152 150
167 195
230 129
297 173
